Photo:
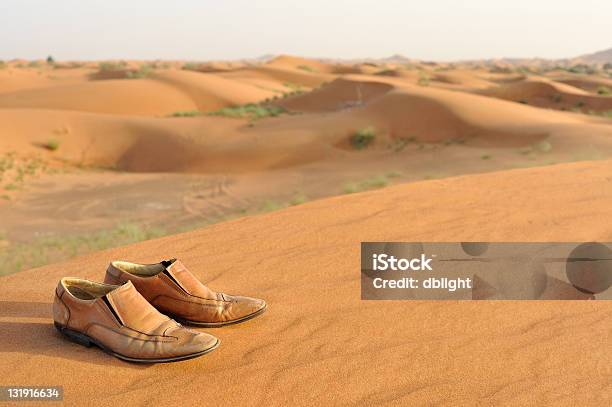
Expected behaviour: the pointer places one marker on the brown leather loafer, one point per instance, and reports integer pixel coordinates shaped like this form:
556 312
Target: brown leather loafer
121 322
173 290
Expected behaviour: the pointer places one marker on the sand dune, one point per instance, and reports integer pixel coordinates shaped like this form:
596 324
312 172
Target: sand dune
125 97
330 115
438 115
340 94
212 92
122 124
167 90
407 111
588 84
17 79
292 76
11 81
217 66
293 62
459 79
501 78
319 343
546 93
206 144
160 95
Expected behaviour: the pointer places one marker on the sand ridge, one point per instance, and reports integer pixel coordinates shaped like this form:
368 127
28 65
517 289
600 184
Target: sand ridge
320 122
319 343
544 92
160 95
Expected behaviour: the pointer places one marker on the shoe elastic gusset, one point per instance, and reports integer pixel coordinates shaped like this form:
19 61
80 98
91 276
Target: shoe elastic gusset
171 288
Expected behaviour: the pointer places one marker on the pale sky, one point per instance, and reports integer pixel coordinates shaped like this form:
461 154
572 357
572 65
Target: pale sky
233 29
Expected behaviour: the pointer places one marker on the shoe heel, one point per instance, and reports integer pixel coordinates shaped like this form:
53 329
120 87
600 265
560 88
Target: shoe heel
74 336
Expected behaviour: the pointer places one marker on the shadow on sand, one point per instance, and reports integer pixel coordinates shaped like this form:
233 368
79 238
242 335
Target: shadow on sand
41 338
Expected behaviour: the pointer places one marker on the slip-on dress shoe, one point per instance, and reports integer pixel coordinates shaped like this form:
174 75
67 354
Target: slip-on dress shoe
122 323
174 291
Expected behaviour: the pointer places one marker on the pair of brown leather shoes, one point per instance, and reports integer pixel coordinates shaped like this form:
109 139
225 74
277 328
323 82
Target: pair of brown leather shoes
125 315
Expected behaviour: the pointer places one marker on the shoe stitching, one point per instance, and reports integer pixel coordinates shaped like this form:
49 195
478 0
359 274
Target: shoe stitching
154 338
59 297
185 294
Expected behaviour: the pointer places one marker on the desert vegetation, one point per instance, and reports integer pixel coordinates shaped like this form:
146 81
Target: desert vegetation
250 111
363 138
374 182
187 113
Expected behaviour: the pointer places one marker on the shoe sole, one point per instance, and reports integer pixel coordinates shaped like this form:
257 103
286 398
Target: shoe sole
87 341
217 324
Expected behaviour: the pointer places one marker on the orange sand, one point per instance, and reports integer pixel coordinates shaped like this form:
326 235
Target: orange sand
319 344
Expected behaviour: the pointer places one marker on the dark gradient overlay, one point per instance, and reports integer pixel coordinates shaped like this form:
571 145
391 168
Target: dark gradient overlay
488 271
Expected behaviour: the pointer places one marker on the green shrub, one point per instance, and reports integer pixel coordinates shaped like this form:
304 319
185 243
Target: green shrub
191 66
604 91
142 72
298 199
270 206
544 146
187 113
582 69
400 143
375 182
160 65
43 250
424 79
52 144
250 111
295 87
111 66
307 68
363 138
2 64
385 72
50 60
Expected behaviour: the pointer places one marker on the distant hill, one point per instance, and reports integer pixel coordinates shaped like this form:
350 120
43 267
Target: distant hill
601 57
596 58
